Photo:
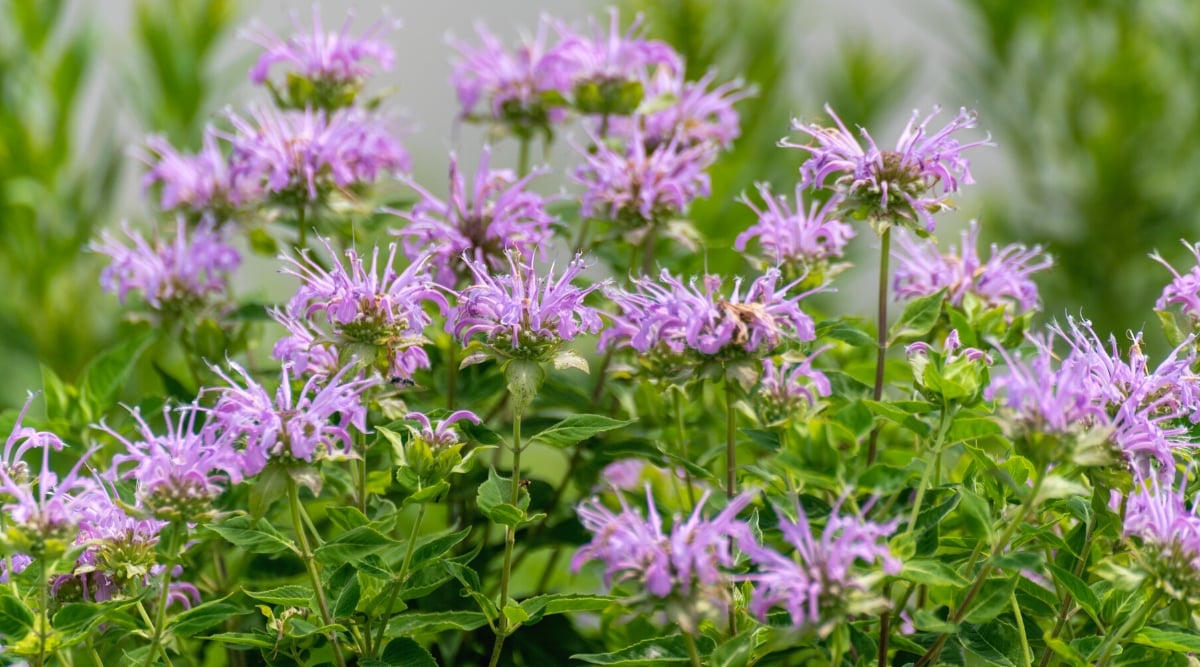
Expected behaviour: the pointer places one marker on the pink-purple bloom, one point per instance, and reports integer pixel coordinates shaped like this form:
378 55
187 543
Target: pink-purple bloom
512 86
497 214
904 185
607 54
180 471
1003 280
1161 518
790 388
690 562
201 183
183 271
521 313
670 317
330 58
305 153
1184 290
697 113
795 239
638 184
313 423
815 585
354 308
444 434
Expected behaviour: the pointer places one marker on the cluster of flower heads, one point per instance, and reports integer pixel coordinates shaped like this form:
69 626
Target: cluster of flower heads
802 244
790 388
1096 393
170 275
674 321
374 313
497 215
1001 281
689 568
1160 516
907 184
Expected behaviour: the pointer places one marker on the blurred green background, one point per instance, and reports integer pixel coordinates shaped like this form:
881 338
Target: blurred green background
1093 104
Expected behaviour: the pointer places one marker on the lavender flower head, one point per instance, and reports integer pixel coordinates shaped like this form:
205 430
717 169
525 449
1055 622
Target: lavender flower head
334 63
696 113
181 471
798 243
171 276
607 55
200 183
292 426
1002 281
41 508
906 185
304 154
1169 530
376 313
1184 290
521 314
789 389
433 452
513 86
686 568
496 215
820 587
639 185
669 321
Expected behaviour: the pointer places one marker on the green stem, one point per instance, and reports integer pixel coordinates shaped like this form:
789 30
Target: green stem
1135 621
997 549
523 157
160 613
8 564
1026 654
683 448
302 227
510 540
360 470
311 565
938 442
692 650
43 610
400 579
885 624
730 441
451 372
1065 608
881 356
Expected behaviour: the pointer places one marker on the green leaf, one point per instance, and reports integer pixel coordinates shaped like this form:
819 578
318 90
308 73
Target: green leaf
894 414
346 518
270 487
405 624
931 573
436 546
967 426
994 598
256 640
292 595
402 652
563 603
104 377
74 617
996 642
1169 640
577 428
849 334
1084 596
352 546
493 500
257 537
57 397
737 651
918 318
204 616
671 649
346 591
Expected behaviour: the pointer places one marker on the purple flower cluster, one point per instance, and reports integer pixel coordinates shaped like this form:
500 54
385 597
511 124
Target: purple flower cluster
331 59
1162 520
170 275
814 588
304 153
496 215
790 388
40 505
697 114
521 314
443 435
691 563
514 87
904 185
640 185
292 426
1184 290
1003 280
376 313
802 243
202 183
179 472
672 319
607 55
1145 412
